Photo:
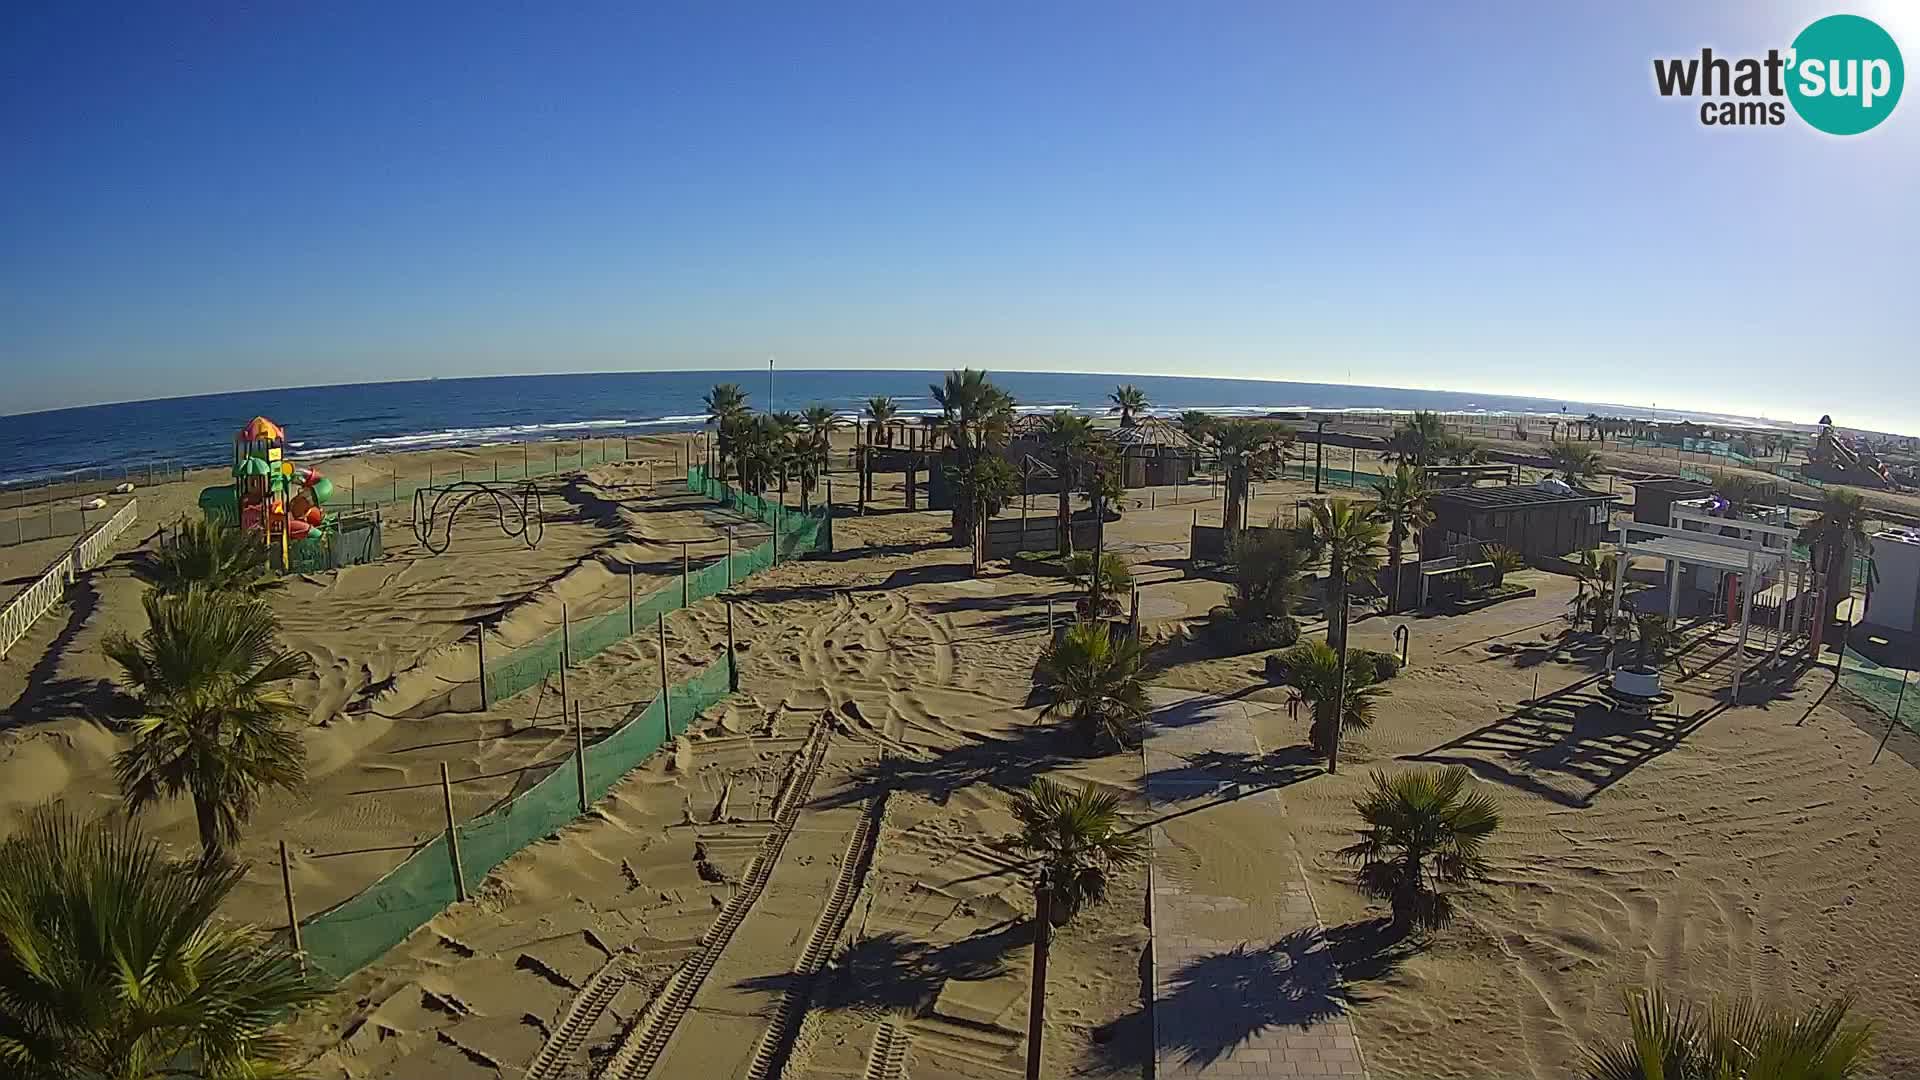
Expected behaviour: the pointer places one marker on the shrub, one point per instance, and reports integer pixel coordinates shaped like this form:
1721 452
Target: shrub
1385 665
1116 574
1505 561
1277 632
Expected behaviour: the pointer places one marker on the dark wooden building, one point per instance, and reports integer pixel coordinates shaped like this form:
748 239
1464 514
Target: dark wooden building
1653 499
1538 522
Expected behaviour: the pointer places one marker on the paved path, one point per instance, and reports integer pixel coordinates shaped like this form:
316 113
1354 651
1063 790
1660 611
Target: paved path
1242 982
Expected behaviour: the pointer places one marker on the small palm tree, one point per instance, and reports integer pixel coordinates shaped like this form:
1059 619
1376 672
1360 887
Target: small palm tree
882 411
1424 829
1741 1041
1504 561
113 962
1077 841
1098 682
1115 577
975 415
1593 596
1197 424
1422 440
1314 672
1835 537
1403 507
215 723
812 453
1349 539
210 553
1574 462
1128 400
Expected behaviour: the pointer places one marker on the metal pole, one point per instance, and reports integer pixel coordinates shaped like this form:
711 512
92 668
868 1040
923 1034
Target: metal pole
684 572
580 756
630 626
293 917
666 698
729 558
453 836
1891 722
563 663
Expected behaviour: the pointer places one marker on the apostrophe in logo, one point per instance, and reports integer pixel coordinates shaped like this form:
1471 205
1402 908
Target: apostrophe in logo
1845 74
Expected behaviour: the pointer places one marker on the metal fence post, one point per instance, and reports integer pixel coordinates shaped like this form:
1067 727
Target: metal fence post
453 836
666 697
480 642
293 917
733 662
684 572
630 598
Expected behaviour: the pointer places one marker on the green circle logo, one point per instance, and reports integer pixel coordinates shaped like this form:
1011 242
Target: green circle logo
1845 75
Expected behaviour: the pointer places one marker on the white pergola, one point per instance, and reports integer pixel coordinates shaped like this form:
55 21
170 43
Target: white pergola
1749 556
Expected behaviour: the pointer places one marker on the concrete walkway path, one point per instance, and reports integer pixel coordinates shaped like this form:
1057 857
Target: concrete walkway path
1243 983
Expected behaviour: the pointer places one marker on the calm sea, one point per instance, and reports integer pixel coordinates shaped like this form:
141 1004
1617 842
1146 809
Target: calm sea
328 421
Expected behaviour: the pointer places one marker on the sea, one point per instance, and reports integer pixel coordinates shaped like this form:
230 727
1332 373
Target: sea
333 421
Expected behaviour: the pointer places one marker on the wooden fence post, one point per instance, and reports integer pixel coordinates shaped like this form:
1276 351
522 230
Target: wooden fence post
293 917
580 755
480 641
666 697
630 598
733 663
453 836
684 573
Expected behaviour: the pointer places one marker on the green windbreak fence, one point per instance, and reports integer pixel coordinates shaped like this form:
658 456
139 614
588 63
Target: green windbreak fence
797 533
360 930
1884 688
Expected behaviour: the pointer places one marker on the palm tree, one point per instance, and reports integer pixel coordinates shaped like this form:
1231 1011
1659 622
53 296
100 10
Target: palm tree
113 962
1070 437
1076 841
215 722
1097 681
785 447
1197 424
213 554
815 451
1833 538
1314 672
881 412
1128 400
1573 461
1422 440
1424 829
975 414
1403 506
1349 538
1741 1041
1267 565
1744 492
1593 596
726 406
1246 448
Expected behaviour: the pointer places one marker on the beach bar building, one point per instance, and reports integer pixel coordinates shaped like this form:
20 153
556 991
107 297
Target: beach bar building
1541 521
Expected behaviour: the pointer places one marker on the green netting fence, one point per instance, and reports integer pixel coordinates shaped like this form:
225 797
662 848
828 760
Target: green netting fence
360 930
1884 688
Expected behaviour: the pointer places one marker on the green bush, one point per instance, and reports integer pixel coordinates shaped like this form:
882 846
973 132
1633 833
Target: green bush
1116 574
1234 633
1385 664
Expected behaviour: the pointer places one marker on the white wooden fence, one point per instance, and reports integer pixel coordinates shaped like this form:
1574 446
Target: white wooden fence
40 597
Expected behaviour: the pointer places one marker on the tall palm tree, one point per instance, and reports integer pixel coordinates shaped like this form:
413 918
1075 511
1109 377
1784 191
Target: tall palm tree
215 724
1424 829
1128 400
1077 841
1740 1041
975 415
1329 687
1835 537
1349 539
113 962
213 554
882 411
786 447
1069 437
1573 461
1098 681
1246 448
726 406
1403 506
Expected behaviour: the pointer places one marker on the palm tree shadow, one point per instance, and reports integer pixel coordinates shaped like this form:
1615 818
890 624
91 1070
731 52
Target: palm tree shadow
893 973
1010 763
1218 1001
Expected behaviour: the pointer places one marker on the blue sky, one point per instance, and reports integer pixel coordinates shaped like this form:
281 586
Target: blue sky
209 197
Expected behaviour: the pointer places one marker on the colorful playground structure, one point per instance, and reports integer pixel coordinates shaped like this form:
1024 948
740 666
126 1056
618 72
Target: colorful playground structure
1834 459
286 505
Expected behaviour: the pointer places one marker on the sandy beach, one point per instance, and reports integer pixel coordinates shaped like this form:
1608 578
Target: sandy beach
854 792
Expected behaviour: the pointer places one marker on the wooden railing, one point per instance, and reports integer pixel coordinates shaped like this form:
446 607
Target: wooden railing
44 594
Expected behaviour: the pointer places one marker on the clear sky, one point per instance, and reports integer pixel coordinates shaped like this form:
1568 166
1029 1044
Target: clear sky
1486 196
